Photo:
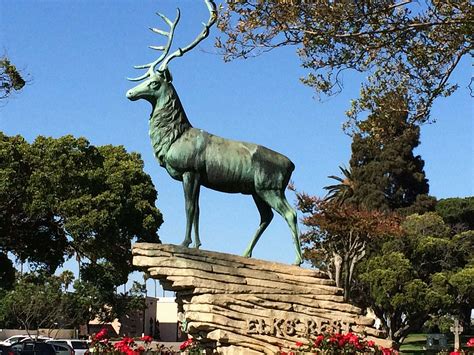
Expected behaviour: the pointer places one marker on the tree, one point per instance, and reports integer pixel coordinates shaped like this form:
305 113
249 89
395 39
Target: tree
100 300
385 173
64 197
399 44
339 236
10 78
398 298
36 301
341 192
425 274
54 307
457 212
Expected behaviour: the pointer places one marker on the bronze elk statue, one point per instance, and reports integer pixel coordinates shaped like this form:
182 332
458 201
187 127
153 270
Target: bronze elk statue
198 158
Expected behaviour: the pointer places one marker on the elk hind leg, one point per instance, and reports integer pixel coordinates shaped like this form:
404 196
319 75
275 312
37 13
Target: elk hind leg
277 200
266 216
197 240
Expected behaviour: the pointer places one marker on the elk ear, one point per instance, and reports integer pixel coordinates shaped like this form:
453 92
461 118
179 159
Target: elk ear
167 75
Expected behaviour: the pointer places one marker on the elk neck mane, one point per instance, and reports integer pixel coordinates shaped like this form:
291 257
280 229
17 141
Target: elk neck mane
168 122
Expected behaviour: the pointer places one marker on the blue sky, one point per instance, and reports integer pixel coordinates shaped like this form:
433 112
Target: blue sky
79 53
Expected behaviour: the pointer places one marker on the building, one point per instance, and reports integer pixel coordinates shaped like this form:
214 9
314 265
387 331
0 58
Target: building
160 320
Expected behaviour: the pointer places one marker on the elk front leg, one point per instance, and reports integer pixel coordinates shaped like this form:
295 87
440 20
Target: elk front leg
191 192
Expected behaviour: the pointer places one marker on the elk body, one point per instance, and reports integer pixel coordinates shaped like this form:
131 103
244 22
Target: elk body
198 158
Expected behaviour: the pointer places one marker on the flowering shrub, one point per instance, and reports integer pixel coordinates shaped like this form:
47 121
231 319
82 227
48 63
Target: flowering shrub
334 343
100 342
127 345
470 343
191 346
146 339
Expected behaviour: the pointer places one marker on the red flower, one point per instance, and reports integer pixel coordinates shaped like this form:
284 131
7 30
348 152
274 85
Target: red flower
455 353
386 351
125 345
128 340
318 340
341 342
470 343
186 344
299 344
370 344
121 346
146 338
102 334
141 349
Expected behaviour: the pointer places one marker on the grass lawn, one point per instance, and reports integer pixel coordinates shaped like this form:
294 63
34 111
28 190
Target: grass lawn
415 343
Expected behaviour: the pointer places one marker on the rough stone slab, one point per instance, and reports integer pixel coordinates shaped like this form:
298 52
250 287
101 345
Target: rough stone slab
187 282
239 261
291 304
247 306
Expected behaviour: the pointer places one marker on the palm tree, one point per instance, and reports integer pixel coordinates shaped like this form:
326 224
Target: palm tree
339 193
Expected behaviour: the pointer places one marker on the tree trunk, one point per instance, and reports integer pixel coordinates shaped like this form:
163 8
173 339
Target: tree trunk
337 260
465 318
347 280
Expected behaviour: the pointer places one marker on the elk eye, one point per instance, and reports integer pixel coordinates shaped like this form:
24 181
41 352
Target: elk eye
154 84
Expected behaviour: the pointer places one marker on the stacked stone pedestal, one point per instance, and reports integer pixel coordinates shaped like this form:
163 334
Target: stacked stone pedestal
246 306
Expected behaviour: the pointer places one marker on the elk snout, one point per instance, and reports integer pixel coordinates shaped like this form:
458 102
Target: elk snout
131 95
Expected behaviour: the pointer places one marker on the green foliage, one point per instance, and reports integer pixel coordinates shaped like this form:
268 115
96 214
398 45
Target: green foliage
53 305
92 300
401 44
46 309
438 325
10 78
457 212
420 277
385 173
342 191
7 272
63 197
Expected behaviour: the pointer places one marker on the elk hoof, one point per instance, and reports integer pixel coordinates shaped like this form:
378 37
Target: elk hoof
197 245
298 261
185 243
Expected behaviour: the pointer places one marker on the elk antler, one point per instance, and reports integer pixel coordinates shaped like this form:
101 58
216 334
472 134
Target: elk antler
151 66
204 33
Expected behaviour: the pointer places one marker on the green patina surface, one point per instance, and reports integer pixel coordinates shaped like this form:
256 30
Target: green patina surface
198 158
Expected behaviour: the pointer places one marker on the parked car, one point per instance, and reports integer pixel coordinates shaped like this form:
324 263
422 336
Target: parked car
24 337
14 339
6 350
39 338
80 347
61 348
31 347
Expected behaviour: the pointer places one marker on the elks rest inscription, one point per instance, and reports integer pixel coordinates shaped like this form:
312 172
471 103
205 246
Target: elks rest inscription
295 327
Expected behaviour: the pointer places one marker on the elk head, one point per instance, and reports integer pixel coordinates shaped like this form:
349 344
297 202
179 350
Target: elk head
158 81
